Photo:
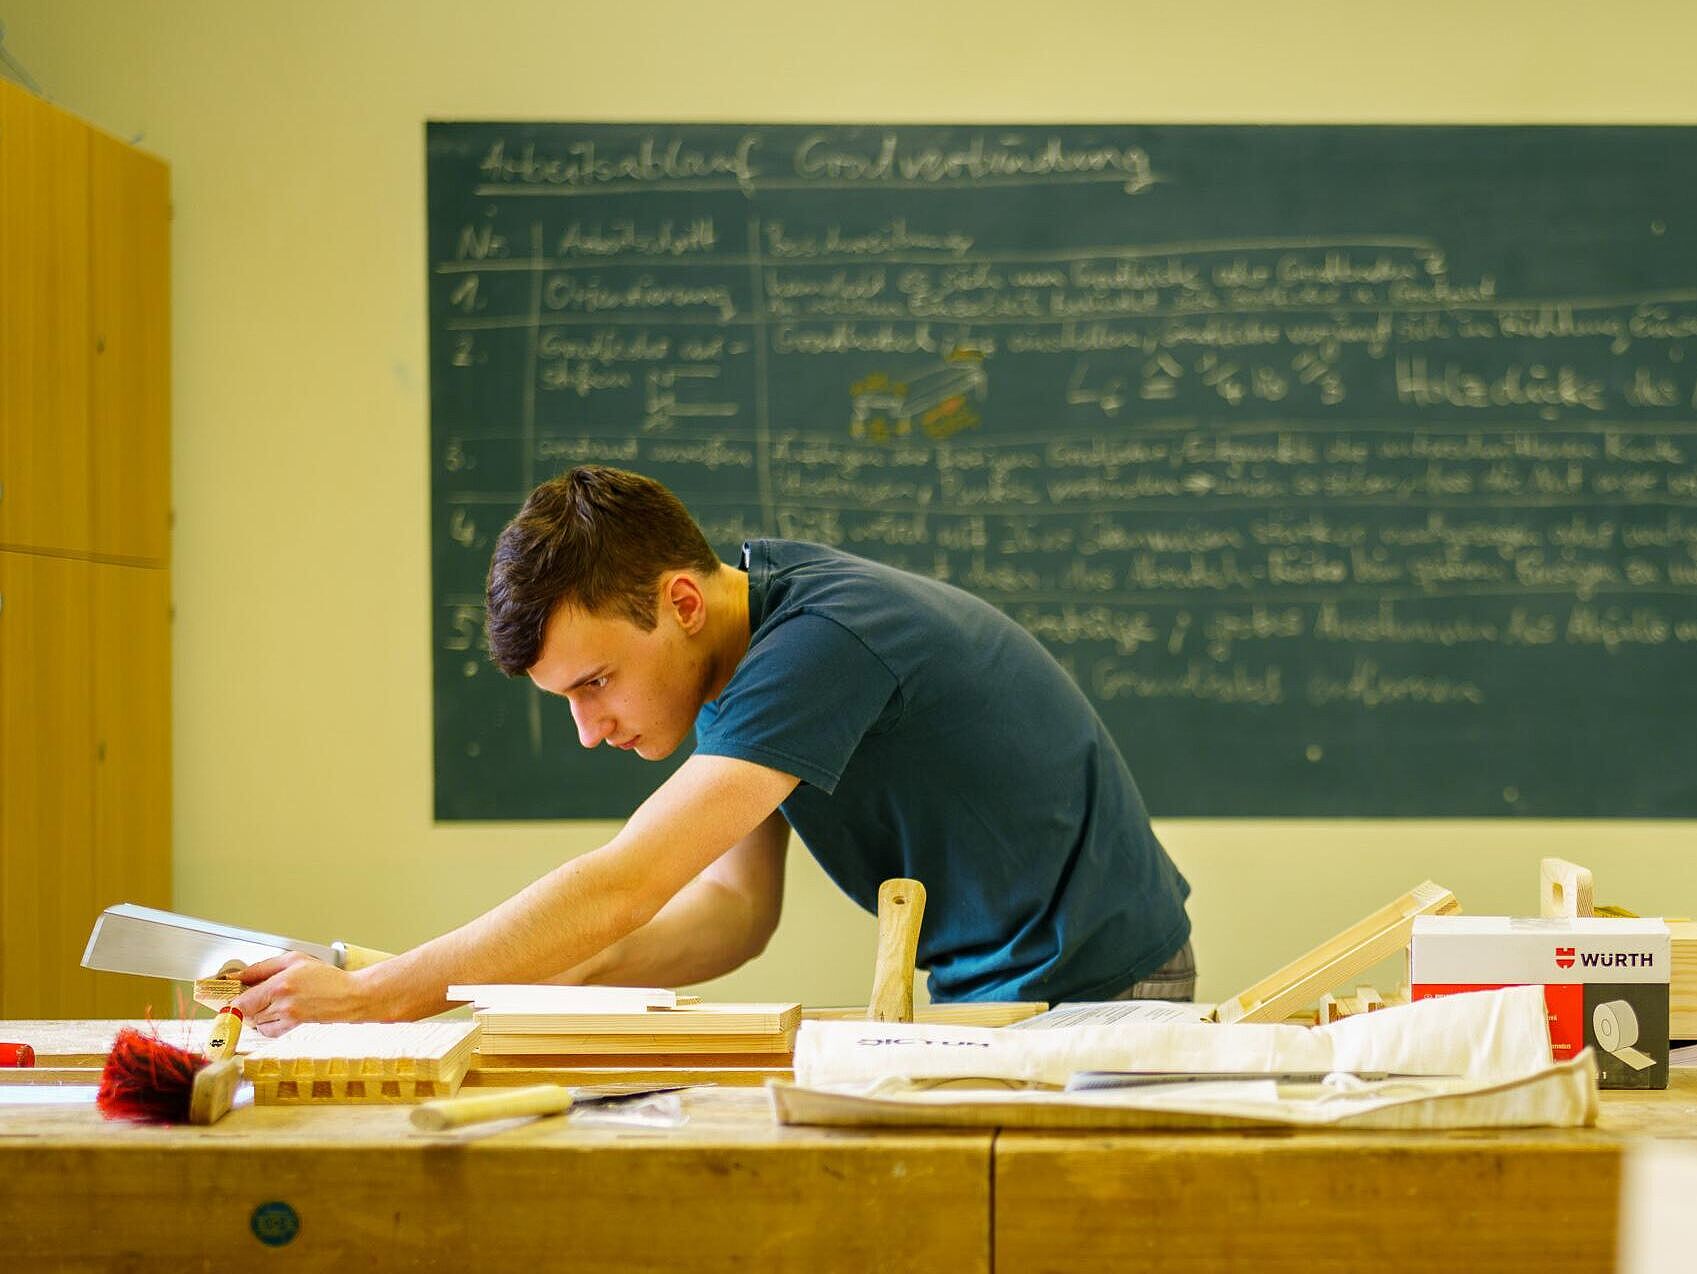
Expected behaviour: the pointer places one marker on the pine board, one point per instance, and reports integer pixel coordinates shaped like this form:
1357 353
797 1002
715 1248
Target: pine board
494 1044
695 1019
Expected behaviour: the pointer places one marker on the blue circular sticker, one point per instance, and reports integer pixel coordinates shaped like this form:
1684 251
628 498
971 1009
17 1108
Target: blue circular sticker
275 1223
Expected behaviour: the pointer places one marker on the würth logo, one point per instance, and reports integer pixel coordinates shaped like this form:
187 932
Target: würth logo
1564 957
1617 960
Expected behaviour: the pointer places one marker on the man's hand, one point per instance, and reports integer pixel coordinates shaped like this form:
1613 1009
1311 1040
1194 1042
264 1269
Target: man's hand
287 990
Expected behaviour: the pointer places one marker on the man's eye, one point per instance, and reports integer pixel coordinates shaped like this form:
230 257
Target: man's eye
599 682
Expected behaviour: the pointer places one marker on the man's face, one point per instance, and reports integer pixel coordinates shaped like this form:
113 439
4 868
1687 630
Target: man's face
627 688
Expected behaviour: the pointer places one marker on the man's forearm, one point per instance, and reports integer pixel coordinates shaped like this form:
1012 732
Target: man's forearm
706 930
559 921
582 907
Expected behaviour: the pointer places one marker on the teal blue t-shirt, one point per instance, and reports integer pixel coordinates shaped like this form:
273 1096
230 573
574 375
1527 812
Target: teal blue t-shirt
935 738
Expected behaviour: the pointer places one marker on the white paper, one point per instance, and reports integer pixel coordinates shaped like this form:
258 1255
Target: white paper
1107 1012
547 998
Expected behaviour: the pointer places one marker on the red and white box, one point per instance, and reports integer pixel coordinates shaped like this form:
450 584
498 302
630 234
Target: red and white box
1605 981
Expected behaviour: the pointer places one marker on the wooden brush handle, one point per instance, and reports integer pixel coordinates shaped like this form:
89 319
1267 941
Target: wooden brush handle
456 1112
901 906
226 1033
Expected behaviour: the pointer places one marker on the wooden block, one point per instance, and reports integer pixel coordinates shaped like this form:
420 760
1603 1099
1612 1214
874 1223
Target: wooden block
1682 987
496 1043
215 993
1335 961
1564 888
974 1013
679 1023
714 1076
49 1076
504 997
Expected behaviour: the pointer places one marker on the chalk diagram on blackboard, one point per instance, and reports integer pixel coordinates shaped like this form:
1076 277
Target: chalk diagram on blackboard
939 399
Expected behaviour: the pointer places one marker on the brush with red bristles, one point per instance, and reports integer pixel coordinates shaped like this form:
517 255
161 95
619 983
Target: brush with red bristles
147 1079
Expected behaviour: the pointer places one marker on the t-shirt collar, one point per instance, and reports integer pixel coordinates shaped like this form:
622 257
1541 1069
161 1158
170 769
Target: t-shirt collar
757 561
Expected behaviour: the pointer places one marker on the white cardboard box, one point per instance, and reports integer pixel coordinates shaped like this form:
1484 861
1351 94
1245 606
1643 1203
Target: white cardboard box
1605 981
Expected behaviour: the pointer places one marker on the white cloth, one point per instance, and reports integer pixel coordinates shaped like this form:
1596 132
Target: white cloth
1480 1035
1560 1095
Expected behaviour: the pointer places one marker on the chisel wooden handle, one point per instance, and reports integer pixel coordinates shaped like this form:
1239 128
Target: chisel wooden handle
456 1112
901 906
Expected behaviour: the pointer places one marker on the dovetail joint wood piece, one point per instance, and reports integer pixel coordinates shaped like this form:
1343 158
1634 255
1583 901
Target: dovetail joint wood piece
362 1063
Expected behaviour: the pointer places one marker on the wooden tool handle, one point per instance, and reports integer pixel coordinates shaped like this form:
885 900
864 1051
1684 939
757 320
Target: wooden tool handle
1564 889
225 1034
456 1112
350 957
901 906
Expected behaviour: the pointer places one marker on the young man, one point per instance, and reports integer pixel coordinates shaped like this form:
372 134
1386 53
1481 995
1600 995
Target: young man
900 726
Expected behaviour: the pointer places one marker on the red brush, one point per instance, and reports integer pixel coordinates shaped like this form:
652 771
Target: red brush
147 1079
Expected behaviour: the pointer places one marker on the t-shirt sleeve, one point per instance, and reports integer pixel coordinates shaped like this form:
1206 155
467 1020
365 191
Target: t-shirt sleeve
801 700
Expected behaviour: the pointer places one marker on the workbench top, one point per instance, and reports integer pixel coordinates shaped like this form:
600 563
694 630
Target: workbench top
732 1190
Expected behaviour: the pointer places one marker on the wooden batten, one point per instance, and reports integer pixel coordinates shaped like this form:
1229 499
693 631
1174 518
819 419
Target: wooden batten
1334 962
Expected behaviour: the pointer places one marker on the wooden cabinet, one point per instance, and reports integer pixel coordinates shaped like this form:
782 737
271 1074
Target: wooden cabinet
129 321
85 609
46 782
44 326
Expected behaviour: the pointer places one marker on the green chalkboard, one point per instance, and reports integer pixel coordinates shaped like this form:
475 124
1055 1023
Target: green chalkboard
1349 470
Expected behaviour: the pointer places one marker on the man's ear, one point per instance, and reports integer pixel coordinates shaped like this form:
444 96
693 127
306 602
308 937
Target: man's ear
683 595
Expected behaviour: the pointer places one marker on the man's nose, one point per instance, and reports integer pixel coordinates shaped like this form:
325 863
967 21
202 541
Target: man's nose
592 727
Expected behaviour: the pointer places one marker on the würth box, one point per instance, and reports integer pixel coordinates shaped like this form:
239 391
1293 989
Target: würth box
1605 982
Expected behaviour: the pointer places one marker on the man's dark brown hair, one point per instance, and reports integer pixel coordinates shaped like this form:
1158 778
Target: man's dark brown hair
595 539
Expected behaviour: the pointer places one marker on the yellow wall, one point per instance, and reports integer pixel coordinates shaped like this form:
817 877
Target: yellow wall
295 138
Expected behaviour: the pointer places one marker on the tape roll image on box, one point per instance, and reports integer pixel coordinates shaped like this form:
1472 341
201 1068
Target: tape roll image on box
1616 1028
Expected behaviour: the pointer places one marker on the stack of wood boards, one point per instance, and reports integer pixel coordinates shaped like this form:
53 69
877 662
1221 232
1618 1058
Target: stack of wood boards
361 1062
1682 988
697 1034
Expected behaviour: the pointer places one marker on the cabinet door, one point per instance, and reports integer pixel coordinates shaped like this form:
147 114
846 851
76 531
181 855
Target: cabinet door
46 786
129 250
44 326
132 764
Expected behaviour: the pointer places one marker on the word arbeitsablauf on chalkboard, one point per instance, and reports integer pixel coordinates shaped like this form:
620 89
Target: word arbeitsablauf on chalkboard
827 157
1350 471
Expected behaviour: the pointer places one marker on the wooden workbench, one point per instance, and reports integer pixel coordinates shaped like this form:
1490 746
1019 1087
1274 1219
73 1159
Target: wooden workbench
730 1190
357 1188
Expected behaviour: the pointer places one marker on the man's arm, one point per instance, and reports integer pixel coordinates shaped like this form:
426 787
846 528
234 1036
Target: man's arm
720 920
577 910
